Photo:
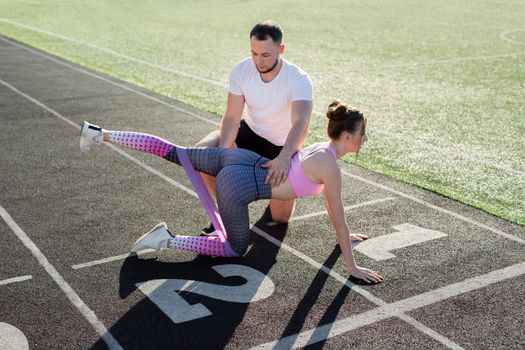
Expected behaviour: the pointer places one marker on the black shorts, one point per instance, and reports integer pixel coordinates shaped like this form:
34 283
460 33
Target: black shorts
248 139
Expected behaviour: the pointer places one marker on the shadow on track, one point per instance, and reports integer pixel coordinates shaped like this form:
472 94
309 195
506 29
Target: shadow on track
146 326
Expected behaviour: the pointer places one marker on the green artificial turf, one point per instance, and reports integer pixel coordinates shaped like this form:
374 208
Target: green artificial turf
443 82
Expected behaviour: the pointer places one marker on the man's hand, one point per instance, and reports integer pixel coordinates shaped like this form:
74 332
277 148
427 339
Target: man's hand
279 168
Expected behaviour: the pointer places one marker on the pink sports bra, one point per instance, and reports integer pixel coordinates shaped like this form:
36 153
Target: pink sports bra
301 184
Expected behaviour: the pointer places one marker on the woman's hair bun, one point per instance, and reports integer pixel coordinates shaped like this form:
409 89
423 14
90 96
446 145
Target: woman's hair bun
334 103
336 110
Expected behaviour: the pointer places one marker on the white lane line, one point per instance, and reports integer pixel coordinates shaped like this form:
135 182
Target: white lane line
499 232
15 279
430 332
396 309
435 207
152 170
114 53
122 86
324 212
363 292
125 256
116 258
318 266
88 314
103 261
113 147
59 116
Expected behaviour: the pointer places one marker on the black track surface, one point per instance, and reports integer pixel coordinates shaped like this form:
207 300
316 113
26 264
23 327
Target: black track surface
82 208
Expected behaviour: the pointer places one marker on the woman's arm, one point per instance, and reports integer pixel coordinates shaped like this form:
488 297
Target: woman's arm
353 237
334 205
327 207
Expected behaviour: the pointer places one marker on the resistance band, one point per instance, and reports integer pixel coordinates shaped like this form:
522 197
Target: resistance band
203 193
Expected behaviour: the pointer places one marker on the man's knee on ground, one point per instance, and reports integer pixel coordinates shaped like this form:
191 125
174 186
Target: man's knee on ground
280 218
281 211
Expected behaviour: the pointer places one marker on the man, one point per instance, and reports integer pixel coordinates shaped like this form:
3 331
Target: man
278 96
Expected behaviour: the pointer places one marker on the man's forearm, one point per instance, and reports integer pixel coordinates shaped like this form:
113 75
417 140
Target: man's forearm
229 130
301 113
295 138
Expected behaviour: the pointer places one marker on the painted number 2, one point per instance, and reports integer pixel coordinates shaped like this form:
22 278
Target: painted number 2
163 292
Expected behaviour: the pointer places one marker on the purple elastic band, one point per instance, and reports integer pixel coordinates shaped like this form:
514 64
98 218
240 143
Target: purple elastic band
203 193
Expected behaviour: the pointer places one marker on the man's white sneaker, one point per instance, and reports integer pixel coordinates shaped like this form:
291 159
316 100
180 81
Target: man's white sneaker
209 231
155 239
89 135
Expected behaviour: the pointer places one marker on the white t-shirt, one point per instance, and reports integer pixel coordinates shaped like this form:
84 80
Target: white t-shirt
269 105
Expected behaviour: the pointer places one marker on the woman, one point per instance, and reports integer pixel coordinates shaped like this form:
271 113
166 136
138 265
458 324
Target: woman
240 181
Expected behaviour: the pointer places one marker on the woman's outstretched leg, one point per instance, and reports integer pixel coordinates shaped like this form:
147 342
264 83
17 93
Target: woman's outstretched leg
93 135
140 142
243 171
207 160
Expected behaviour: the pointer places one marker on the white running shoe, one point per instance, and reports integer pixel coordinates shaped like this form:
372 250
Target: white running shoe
155 239
89 135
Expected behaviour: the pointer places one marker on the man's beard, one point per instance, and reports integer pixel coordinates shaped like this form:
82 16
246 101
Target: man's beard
270 69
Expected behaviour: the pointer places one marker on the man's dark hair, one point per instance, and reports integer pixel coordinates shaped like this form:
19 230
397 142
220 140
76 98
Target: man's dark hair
266 29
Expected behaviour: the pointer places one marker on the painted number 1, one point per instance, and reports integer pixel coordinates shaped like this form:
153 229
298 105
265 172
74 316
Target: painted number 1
379 248
163 292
